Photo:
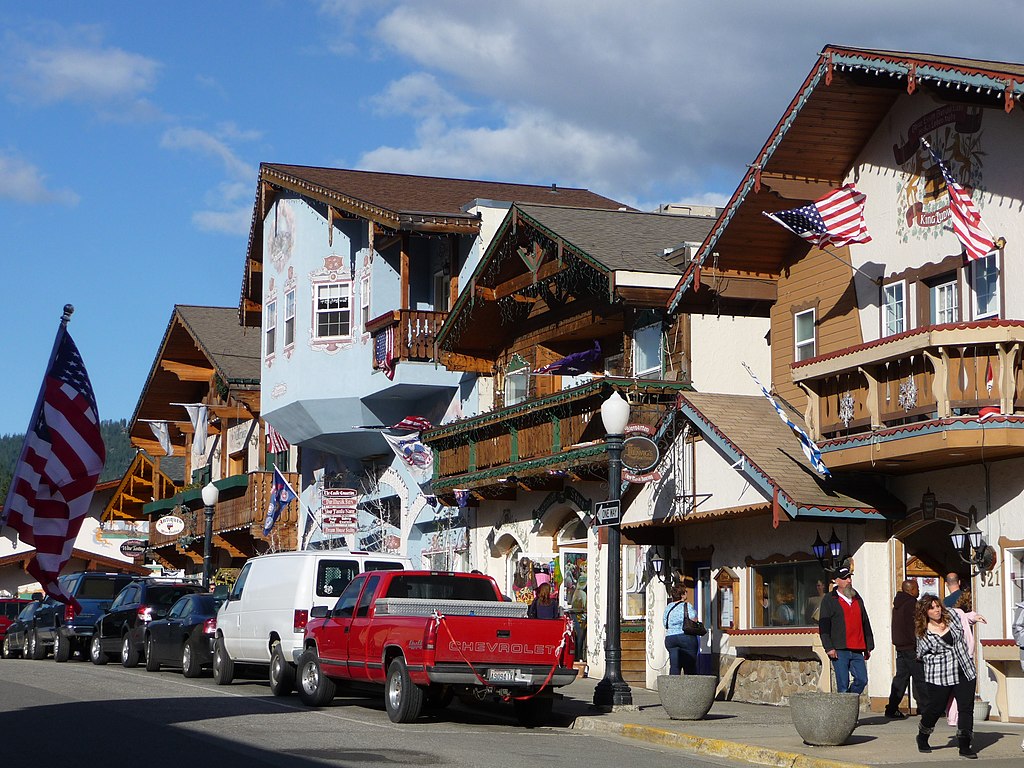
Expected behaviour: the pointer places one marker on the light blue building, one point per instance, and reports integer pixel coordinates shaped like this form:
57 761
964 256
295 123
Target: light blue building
348 276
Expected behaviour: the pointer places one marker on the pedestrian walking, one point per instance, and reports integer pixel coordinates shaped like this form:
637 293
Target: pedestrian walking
682 648
544 606
948 669
968 619
846 633
904 639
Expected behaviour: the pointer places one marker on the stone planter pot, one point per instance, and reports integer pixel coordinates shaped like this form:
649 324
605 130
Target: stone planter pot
687 697
824 719
981 710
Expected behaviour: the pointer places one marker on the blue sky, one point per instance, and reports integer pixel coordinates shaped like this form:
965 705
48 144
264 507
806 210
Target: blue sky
131 133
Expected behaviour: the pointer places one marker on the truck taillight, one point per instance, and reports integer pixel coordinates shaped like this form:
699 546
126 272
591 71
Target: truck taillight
300 620
210 626
69 613
430 641
145 613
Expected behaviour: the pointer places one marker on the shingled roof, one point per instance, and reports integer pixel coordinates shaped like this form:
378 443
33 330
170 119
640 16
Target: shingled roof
233 350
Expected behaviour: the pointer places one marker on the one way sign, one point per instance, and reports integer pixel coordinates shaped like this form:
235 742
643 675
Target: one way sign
608 512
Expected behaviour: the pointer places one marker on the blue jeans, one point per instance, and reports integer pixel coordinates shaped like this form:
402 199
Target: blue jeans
682 654
850 663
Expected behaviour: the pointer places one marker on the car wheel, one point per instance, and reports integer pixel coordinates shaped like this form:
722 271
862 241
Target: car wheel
61 647
282 674
315 688
152 662
36 650
402 698
533 712
8 652
223 666
96 654
190 666
129 654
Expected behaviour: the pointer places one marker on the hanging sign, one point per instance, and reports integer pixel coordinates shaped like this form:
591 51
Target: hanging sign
170 525
133 548
338 511
639 454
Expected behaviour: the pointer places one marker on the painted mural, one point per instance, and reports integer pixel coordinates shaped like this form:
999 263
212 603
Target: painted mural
280 235
955 132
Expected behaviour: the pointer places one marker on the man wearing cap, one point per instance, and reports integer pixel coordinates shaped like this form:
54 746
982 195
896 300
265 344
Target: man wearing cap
846 633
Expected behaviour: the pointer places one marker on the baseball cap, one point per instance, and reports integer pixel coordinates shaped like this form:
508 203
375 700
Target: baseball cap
844 573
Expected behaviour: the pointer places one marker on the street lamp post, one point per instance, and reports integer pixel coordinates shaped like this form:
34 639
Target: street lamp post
613 690
210 495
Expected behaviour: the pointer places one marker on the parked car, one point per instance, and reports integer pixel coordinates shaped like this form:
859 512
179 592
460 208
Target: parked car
10 607
16 638
122 628
265 614
185 637
57 624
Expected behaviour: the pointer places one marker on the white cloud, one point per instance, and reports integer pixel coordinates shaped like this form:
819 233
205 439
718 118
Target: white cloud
25 183
420 95
234 222
206 144
81 74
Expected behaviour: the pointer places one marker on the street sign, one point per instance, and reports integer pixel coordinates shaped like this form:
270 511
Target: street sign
608 512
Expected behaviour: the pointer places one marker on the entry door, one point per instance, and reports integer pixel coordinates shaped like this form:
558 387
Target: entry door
703 600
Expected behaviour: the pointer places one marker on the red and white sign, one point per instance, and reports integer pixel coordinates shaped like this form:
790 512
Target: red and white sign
338 512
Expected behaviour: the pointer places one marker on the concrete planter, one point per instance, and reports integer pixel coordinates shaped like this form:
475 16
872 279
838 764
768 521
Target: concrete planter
687 697
824 719
981 710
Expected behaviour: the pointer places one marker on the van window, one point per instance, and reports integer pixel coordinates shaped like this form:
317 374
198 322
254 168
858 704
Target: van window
236 590
377 565
366 598
441 587
332 576
346 603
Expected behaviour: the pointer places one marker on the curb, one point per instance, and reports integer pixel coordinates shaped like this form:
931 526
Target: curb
712 747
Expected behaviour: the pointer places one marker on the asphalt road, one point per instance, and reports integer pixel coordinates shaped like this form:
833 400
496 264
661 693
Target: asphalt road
79 713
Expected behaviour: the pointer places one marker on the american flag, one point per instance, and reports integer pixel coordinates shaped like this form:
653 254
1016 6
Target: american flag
275 443
412 424
384 351
837 219
61 461
966 217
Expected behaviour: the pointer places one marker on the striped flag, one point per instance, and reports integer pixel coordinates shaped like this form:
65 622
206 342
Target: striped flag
61 461
837 219
965 214
275 443
384 351
413 424
811 451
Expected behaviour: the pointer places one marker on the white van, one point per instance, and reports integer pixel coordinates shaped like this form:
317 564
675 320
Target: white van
263 618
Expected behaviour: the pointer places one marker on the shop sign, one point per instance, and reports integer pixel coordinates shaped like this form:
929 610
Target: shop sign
133 548
639 454
338 511
170 525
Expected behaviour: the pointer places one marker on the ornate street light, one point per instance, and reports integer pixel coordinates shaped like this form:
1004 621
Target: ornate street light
970 546
210 495
829 554
613 690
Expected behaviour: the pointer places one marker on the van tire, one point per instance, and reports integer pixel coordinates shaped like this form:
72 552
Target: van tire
315 688
96 654
282 674
61 647
402 698
223 666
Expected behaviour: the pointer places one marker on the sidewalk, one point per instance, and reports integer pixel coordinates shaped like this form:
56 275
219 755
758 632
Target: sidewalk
765 735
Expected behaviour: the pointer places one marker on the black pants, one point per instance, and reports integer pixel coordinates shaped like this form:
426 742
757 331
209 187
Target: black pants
938 695
907 668
682 653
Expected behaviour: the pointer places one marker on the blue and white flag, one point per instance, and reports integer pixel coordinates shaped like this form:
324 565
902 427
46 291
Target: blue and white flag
280 496
811 451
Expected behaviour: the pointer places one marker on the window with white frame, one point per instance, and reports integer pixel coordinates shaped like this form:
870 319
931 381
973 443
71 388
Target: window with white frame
985 286
945 307
804 333
289 318
895 308
333 310
517 381
270 323
647 348
364 301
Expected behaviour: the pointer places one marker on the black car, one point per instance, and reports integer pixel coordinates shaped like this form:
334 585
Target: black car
122 628
59 625
16 640
185 638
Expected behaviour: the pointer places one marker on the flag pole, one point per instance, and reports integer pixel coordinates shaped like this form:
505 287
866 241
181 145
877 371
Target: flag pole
65 318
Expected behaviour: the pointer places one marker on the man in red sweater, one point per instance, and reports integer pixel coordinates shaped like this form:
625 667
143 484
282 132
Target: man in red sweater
846 633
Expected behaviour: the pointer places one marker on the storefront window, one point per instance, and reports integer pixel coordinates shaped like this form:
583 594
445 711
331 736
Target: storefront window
787 594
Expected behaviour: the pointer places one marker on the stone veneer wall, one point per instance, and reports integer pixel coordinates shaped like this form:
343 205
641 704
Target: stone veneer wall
768 680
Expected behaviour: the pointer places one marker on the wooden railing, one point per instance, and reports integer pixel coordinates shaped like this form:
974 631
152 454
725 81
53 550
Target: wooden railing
932 372
414 333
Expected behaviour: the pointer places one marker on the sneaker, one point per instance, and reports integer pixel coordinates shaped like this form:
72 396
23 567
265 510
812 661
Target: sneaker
895 714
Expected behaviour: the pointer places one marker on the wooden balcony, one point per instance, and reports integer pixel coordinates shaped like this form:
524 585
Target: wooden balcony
937 381
532 441
414 331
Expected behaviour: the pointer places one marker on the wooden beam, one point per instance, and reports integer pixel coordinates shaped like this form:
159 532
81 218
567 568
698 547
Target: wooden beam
195 557
403 291
453 271
227 546
153 448
187 371
526 279
466 363
736 285
485 293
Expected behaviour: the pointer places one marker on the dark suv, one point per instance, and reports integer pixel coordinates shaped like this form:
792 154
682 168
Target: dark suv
58 625
122 628
10 607
17 633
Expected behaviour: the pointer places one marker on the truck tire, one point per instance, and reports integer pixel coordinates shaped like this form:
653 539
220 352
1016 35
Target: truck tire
533 712
129 654
152 664
34 647
402 698
61 648
223 666
315 688
190 666
96 654
282 674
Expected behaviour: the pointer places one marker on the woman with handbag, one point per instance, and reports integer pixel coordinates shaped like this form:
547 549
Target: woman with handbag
681 646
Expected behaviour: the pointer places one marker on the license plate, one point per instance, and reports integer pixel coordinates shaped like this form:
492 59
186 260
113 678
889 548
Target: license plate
502 675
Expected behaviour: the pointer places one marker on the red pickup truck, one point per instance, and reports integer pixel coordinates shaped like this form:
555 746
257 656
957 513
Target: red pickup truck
428 636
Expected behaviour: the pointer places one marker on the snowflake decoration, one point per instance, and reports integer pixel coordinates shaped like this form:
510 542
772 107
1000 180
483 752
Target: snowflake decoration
908 394
846 409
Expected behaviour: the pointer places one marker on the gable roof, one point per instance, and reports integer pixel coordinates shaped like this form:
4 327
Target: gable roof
745 429
835 111
393 201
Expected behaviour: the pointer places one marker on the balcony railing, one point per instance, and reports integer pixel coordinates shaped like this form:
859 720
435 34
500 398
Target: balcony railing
413 332
934 372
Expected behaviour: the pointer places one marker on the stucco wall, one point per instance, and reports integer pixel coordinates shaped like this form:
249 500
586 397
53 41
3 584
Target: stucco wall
712 371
